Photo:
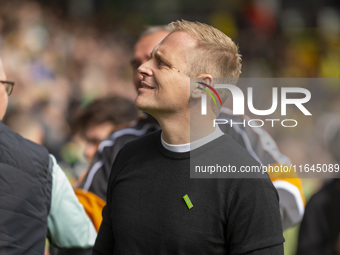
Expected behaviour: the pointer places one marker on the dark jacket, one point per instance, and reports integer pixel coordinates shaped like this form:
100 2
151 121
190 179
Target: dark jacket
25 194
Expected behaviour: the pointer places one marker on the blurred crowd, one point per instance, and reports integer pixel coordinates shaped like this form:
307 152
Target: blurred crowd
60 64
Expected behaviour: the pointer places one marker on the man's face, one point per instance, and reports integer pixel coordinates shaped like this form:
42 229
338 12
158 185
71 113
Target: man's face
141 53
165 87
93 135
3 93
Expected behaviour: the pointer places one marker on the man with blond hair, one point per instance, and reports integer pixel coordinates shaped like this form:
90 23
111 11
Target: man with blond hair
153 206
256 141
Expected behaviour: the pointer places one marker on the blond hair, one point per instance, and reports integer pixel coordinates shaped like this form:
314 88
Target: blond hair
216 54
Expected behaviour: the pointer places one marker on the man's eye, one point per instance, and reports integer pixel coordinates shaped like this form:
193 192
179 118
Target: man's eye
135 64
160 63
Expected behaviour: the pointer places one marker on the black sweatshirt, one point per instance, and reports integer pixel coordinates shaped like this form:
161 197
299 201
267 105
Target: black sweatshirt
146 212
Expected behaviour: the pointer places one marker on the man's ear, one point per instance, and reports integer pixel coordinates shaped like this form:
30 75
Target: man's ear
203 79
207 79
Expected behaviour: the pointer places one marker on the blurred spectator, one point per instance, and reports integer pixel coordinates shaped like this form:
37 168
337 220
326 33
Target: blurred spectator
91 191
320 227
25 124
94 122
101 117
36 199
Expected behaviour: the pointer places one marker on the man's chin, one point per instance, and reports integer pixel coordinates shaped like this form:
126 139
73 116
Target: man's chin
140 106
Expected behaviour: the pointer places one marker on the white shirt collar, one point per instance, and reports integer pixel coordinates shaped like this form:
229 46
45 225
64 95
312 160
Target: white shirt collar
180 148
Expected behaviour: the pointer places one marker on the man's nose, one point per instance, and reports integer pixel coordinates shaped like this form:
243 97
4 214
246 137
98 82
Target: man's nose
89 151
144 69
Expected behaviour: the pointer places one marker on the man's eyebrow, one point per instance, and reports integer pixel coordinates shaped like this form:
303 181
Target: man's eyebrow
159 56
153 50
155 53
152 53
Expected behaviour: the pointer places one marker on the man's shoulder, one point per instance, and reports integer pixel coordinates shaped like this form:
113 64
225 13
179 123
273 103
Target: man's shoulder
254 139
22 154
225 145
225 158
323 197
144 142
16 142
122 136
108 150
142 127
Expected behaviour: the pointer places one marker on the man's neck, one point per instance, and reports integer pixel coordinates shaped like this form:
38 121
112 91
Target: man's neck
175 129
182 129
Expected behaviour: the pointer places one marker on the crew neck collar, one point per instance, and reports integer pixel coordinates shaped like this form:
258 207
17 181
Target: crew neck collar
181 148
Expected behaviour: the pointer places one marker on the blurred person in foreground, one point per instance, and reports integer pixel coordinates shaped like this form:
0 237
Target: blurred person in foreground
257 142
320 227
26 124
153 206
94 123
36 199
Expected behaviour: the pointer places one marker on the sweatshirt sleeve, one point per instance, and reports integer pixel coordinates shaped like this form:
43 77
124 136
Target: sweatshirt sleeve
68 224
